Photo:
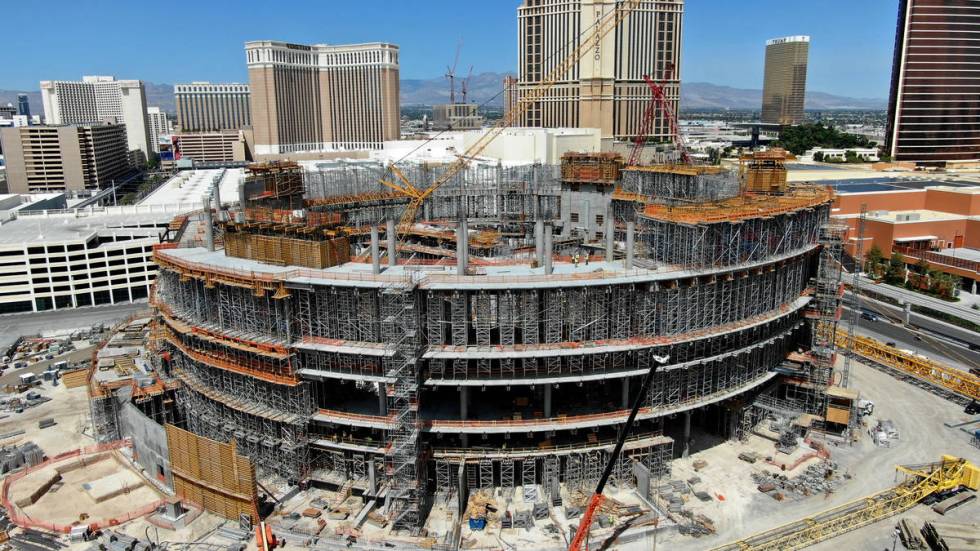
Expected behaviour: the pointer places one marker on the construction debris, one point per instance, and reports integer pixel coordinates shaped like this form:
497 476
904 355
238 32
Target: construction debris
820 478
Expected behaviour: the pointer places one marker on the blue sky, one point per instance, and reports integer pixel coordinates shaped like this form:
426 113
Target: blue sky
180 41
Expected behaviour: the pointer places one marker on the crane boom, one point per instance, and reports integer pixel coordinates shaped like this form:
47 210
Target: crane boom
600 30
597 498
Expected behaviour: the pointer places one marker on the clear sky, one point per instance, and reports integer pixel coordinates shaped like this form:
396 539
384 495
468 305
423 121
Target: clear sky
181 40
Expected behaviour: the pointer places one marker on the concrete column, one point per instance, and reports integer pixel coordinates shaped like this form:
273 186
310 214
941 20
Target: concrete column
392 242
630 231
687 434
241 195
382 399
208 225
539 241
461 490
548 249
610 233
466 241
372 479
217 196
908 312
462 243
626 393
973 287
375 251
547 401
464 399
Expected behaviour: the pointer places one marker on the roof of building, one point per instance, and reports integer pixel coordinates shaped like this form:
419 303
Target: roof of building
35 229
912 216
190 186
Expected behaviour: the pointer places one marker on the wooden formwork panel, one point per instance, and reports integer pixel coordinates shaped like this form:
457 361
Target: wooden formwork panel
283 251
76 378
212 475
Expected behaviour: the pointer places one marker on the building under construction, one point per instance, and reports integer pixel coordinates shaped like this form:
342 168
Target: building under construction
486 343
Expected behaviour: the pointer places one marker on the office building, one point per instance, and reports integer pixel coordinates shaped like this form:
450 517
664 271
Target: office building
456 116
934 105
210 148
23 105
605 89
784 87
159 126
206 107
322 97
69 157
100 99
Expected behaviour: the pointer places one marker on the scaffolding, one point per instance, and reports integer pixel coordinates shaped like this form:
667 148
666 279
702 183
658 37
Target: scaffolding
677 184
826 311
323 374
403 449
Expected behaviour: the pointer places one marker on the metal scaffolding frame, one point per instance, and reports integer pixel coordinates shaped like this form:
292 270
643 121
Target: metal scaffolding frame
403 459
270 367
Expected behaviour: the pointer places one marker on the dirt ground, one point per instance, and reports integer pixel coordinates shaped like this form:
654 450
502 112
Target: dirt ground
65 501
69 409
920 418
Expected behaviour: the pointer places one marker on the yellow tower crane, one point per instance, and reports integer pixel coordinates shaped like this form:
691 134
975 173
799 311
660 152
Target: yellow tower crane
586 44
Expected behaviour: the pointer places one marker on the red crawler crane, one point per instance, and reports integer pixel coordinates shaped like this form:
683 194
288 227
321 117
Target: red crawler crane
657 99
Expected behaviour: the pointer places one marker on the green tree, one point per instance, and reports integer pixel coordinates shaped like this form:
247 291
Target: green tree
818 156
896 270
873 261
798 139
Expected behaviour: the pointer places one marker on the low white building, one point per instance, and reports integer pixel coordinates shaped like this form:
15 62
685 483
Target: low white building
866 154
52 260
536 145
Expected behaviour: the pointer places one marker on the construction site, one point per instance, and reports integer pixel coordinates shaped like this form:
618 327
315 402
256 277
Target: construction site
599 353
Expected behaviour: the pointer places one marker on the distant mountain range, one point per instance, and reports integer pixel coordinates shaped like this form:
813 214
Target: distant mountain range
704 95
157 95
487 88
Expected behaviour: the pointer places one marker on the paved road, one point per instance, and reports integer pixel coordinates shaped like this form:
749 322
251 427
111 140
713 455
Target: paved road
12 376
941 350
16 325
963 337
961 310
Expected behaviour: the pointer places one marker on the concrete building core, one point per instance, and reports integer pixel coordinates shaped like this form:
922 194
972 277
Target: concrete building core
605 89
784 87
494 346
322 97
456 116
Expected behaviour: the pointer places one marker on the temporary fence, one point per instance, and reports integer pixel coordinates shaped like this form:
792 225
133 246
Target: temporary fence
25 521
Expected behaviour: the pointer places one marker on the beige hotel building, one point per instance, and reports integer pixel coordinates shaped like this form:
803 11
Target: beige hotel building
605 89
322 97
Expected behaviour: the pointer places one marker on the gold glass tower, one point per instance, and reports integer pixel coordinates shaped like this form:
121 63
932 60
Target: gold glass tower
784 88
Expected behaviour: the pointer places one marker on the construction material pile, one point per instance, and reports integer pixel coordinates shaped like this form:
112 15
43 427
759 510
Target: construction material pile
27 454
821 478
